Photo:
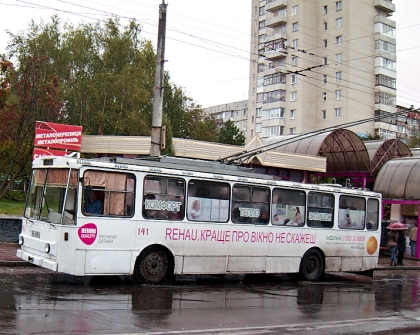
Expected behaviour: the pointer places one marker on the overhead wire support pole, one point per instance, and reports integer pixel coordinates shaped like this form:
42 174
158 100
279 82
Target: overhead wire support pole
156 136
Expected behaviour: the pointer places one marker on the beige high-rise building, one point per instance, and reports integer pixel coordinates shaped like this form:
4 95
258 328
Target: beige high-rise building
316 64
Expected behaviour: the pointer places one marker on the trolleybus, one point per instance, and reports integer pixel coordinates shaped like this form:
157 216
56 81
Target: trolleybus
157 218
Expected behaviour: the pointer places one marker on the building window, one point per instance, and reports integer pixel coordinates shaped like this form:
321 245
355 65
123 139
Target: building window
338 76
387 63
325 10
295 10
259 112
339 40
385 98
293 113
262 24
262 10
252 119
339 22
295 44
338 58
385 81
325 43
324 78
292 131
294 78
385 46
261 38
260 82
325 26
260 68
275 78
338 95
337 112
295 26
272 131
324 114
324 96
260 97
273 113
294 61
293 96
258 128
274 96
385 29
338 5
324 61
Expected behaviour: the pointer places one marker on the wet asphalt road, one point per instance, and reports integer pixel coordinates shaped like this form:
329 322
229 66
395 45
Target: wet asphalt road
36 301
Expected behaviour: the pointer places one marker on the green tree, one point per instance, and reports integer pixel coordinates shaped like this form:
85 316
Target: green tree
32 95
230 134
414 141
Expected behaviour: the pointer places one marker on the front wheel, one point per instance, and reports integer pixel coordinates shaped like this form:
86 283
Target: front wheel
312 266
152 266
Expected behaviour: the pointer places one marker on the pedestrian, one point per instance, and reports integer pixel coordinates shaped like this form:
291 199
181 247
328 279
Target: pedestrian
401 242
391 241
413 240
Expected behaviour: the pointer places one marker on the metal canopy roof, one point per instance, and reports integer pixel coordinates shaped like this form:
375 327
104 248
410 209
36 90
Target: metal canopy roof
344 150
381 152
399 178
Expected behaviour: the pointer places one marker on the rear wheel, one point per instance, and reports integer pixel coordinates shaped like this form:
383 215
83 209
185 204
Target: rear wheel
152 266
312 266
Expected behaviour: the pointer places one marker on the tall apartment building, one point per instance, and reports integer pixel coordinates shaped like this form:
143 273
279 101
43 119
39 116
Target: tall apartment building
316 64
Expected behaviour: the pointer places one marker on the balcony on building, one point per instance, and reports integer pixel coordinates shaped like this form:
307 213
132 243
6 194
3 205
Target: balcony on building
275 36
385 5
274 5
275 54
276 21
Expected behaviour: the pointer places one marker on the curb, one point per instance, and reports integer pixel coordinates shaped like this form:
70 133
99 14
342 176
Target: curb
392 268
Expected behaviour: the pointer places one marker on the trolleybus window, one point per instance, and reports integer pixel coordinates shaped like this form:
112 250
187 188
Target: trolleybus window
208 201
372 214
163 198
47 194
288 207
320 210
108 193
251 204
352 212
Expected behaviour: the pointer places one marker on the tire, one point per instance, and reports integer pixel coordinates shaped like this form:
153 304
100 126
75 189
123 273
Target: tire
152 266
312 266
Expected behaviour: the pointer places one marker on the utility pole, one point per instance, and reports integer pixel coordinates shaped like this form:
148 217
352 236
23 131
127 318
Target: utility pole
158 135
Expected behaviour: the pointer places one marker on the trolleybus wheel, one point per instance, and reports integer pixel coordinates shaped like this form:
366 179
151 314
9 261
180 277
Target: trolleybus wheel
312 266
152 266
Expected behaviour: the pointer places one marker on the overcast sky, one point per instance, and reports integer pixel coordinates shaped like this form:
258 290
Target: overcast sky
207 45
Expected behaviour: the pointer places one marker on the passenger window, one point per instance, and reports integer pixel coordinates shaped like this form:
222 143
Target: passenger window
208 201
108 193
288 207
352 212
372 214
163 198
250 204
320 210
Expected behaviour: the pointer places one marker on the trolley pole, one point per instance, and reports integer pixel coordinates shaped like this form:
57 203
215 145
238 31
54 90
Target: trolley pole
157 142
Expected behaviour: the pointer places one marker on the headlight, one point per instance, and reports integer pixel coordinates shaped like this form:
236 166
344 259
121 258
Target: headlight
47 248
20 240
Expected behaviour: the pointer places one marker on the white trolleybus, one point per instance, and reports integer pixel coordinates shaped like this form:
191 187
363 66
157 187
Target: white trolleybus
154 219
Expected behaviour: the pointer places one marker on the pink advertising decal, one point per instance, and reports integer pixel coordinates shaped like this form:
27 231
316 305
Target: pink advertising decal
87 233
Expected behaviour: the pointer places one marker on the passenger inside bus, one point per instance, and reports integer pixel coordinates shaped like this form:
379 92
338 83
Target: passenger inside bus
264 215
94 204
